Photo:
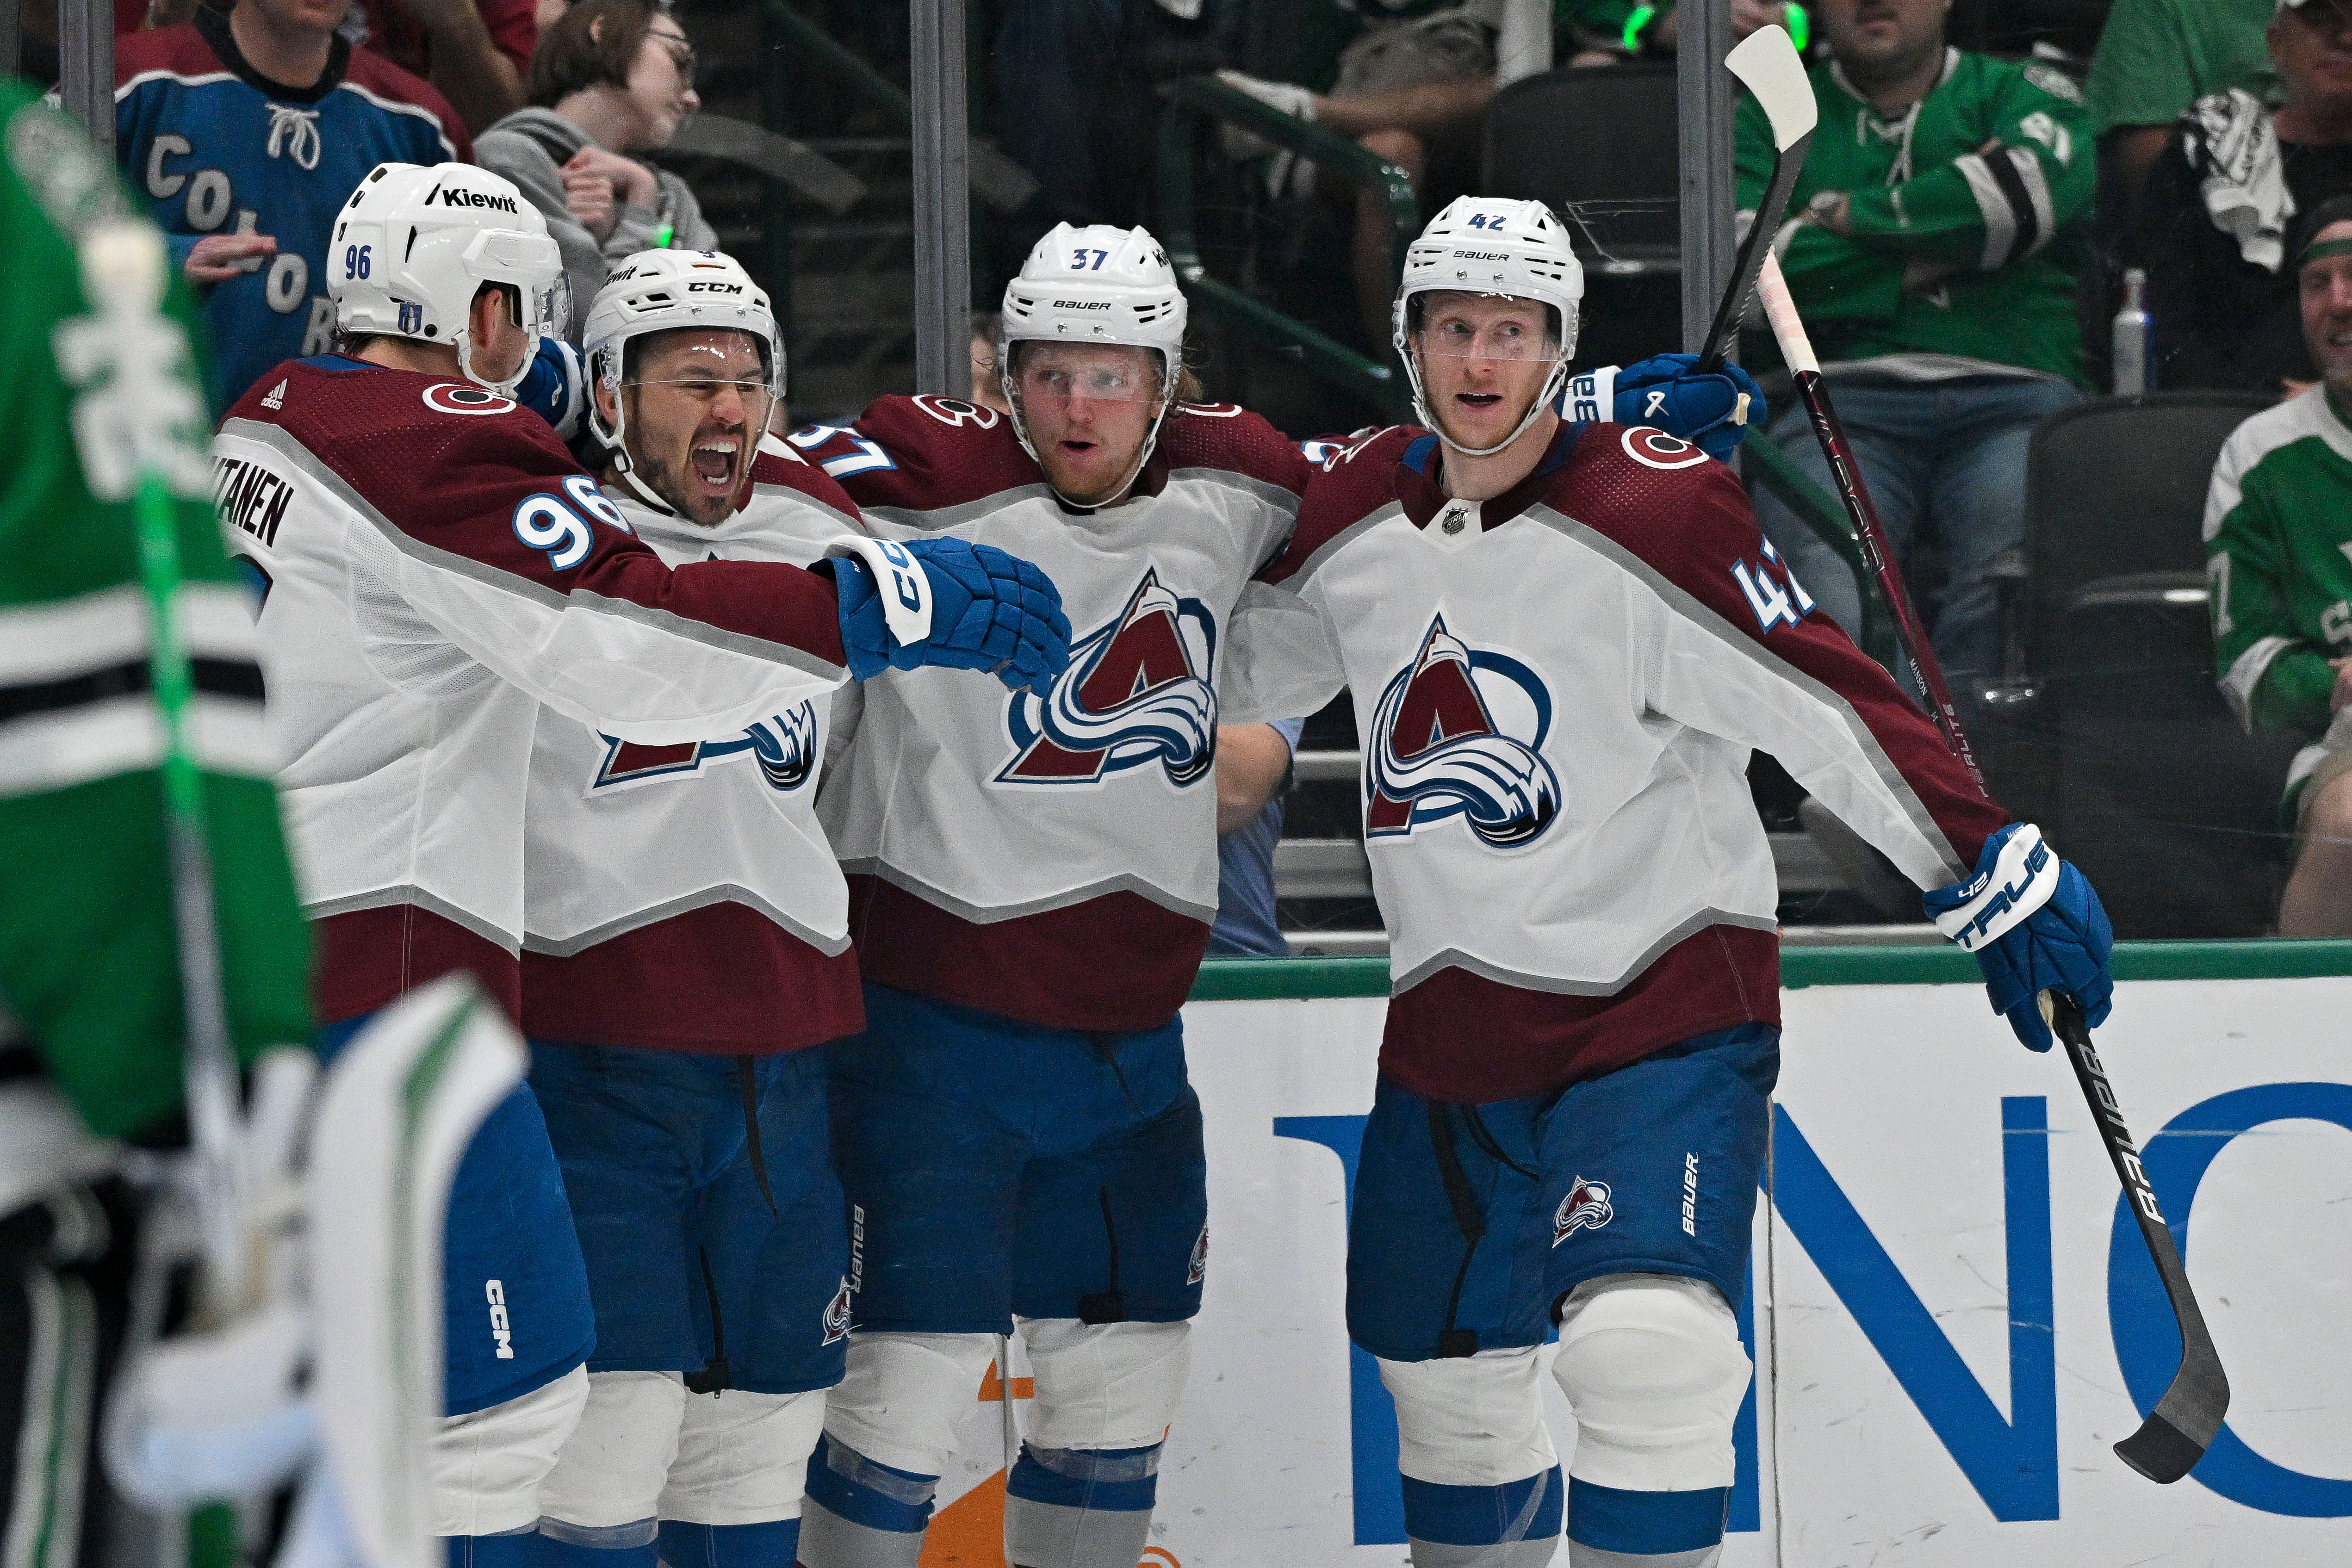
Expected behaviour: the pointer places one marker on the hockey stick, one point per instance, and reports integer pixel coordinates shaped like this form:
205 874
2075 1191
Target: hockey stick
1768 64
2176 1433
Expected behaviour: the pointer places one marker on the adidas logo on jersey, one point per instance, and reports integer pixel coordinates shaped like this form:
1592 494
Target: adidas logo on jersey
275 397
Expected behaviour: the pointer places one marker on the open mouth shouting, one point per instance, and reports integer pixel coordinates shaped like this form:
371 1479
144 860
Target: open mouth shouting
714 458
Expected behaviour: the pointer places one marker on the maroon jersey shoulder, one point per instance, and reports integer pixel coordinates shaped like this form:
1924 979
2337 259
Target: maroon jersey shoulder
378 77
460 469
1685 517
1226 436
779 464
179 49
412 445
1357 478
921 453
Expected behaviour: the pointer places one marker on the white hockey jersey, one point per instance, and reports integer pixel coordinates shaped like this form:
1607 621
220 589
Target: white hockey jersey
434 568
1055 859
683 897
1557 695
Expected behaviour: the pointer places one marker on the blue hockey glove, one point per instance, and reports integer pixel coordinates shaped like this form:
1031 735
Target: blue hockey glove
553 387
2034 926
1666 392
988 610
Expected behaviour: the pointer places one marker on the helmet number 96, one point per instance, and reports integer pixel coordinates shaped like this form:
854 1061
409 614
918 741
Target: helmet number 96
356 261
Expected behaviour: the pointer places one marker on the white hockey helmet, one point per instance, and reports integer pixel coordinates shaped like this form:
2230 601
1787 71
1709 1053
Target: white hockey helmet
664 291
414 244
1099 284
1485 244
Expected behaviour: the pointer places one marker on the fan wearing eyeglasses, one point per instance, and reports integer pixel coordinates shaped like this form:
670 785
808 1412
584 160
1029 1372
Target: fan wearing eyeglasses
612 79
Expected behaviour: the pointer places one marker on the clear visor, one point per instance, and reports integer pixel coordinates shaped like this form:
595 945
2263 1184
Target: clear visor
1458 338
1054 373
555 308
717 397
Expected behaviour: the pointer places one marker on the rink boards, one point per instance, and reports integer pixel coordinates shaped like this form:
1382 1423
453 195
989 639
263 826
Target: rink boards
1951 1315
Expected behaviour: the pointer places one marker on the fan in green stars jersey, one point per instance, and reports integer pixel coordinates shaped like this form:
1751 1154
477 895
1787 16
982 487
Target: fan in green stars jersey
2278 553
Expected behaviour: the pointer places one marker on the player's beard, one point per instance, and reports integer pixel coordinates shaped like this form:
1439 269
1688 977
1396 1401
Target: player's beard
675 484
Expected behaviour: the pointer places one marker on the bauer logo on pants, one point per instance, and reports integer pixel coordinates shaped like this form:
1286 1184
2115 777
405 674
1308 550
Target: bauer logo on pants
1135 693
1586 1207
1460 732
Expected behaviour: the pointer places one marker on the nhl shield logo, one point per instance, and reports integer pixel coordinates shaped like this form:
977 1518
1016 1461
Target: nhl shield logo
1586 1207
1134 695
837 1315
1460 732
1200 1268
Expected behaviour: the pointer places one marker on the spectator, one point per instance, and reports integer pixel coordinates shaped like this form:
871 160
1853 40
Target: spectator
1253 772
987 326
1410 84
2278 544
246 131
477 52
610 78
1933 261
2156 58
2213 222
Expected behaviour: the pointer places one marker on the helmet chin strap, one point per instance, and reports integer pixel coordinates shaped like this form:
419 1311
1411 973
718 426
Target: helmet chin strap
465 364
1552 386
1021 432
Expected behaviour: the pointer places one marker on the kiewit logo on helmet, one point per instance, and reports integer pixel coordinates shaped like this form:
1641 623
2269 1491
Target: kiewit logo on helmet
459 196
1133 695
1460 732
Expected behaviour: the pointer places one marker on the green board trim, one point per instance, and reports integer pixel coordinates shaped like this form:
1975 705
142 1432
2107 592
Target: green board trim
1273 979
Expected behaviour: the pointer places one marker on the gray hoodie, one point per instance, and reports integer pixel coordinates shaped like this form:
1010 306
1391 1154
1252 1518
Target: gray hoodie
530 147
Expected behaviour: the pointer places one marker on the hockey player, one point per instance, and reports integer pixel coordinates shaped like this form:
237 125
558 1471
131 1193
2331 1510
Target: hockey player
1032 888
1563 640
98 383
436 568
687 939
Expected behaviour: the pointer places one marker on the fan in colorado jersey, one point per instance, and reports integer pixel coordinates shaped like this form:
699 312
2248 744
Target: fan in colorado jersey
434 569
1033 883
1567 639
687 939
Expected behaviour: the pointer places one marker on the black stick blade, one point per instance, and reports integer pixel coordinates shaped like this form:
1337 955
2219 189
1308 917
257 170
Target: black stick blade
2161 1450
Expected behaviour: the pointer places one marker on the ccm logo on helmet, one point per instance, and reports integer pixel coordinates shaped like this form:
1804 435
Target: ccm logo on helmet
714 288
457 196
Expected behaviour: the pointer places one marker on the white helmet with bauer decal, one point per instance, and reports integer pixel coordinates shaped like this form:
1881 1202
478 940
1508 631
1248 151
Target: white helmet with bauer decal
1097 284
415 243
1485 244
666 292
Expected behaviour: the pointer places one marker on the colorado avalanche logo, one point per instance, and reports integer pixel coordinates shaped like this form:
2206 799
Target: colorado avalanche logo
1461 733
785 746
1586 1207
1200 1268
837 1315
1133 695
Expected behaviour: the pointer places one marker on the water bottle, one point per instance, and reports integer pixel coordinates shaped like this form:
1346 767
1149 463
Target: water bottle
2135 337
